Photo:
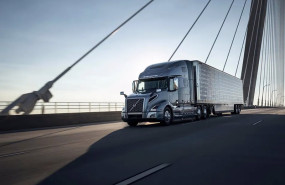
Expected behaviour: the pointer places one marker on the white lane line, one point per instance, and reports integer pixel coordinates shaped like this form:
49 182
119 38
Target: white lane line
143 174
12 154
257 122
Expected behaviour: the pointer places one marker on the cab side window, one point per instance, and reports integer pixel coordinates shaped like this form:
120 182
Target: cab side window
173 84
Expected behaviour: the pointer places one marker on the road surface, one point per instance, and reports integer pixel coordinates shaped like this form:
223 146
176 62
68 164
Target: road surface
232 149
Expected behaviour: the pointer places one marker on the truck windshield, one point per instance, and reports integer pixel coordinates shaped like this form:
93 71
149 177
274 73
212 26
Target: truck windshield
149 85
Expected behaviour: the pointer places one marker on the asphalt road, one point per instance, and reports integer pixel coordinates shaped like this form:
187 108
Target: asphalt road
232 149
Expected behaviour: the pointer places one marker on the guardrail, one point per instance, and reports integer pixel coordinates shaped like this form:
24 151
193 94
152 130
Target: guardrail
70 107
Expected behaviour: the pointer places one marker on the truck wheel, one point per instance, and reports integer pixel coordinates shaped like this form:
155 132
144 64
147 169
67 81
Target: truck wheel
167 116
132 124
199 113
238 109
204 112
213 110
209 112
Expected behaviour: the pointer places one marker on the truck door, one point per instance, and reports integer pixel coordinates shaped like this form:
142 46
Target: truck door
195 83
174 97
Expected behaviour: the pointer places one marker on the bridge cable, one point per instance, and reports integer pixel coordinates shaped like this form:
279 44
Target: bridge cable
105 38
27 102
274 57
271 59
219 31
269 56
261 64
189 30
243 42
234 34
265 56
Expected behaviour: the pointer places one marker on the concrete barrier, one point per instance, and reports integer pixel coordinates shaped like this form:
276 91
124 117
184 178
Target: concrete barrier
19 122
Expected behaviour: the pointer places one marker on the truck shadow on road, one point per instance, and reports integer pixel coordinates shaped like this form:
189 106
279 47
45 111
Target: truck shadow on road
131 150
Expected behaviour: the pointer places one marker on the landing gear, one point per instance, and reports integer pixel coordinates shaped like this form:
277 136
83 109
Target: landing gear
167 116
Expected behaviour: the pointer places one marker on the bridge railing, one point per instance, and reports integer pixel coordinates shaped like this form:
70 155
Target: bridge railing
70 107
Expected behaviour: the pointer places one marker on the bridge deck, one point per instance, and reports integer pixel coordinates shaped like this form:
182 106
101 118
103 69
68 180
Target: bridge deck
233 149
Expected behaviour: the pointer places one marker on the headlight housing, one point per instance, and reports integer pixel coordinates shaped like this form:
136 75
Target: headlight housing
154 108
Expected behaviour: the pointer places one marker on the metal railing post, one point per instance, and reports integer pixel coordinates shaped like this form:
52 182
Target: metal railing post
43 108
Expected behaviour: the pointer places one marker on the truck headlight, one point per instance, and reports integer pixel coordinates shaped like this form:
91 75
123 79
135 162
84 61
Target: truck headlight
154 108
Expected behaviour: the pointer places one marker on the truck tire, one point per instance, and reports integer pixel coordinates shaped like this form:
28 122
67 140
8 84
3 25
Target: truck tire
204 112
238 109
167 116
209 111
199 113
132 123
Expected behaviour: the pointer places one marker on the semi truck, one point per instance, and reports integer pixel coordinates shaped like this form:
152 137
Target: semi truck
180 90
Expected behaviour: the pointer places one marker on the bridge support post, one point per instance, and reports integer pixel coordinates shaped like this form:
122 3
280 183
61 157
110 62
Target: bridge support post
252 49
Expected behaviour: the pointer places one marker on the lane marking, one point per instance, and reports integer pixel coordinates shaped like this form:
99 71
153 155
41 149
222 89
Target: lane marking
257 122
143 174
11 154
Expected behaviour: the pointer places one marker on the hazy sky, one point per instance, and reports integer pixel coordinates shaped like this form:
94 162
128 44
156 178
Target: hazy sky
39 39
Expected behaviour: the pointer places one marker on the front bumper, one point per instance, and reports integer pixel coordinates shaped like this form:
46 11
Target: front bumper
151 116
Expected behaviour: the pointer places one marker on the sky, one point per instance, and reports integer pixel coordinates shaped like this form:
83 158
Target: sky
39 39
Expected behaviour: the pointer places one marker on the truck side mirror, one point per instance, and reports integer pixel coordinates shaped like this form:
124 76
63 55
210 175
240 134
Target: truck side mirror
134 86
122 93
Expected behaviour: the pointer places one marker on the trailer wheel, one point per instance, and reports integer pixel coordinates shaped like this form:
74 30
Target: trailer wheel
209 111
213 110
238 109
167 116
199 113
204 112
132 124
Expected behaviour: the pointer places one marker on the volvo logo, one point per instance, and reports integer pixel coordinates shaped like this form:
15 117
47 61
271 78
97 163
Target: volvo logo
134 105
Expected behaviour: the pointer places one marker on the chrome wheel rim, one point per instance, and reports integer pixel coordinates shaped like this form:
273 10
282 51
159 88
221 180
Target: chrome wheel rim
205 111
167 116
199 111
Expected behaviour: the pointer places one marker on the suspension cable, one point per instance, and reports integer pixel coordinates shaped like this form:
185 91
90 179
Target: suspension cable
265 55
261 64
219 32
243 42
234 34
269 56
189 30
99 43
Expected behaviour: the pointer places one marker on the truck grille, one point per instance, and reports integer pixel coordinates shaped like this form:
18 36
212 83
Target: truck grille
135 105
